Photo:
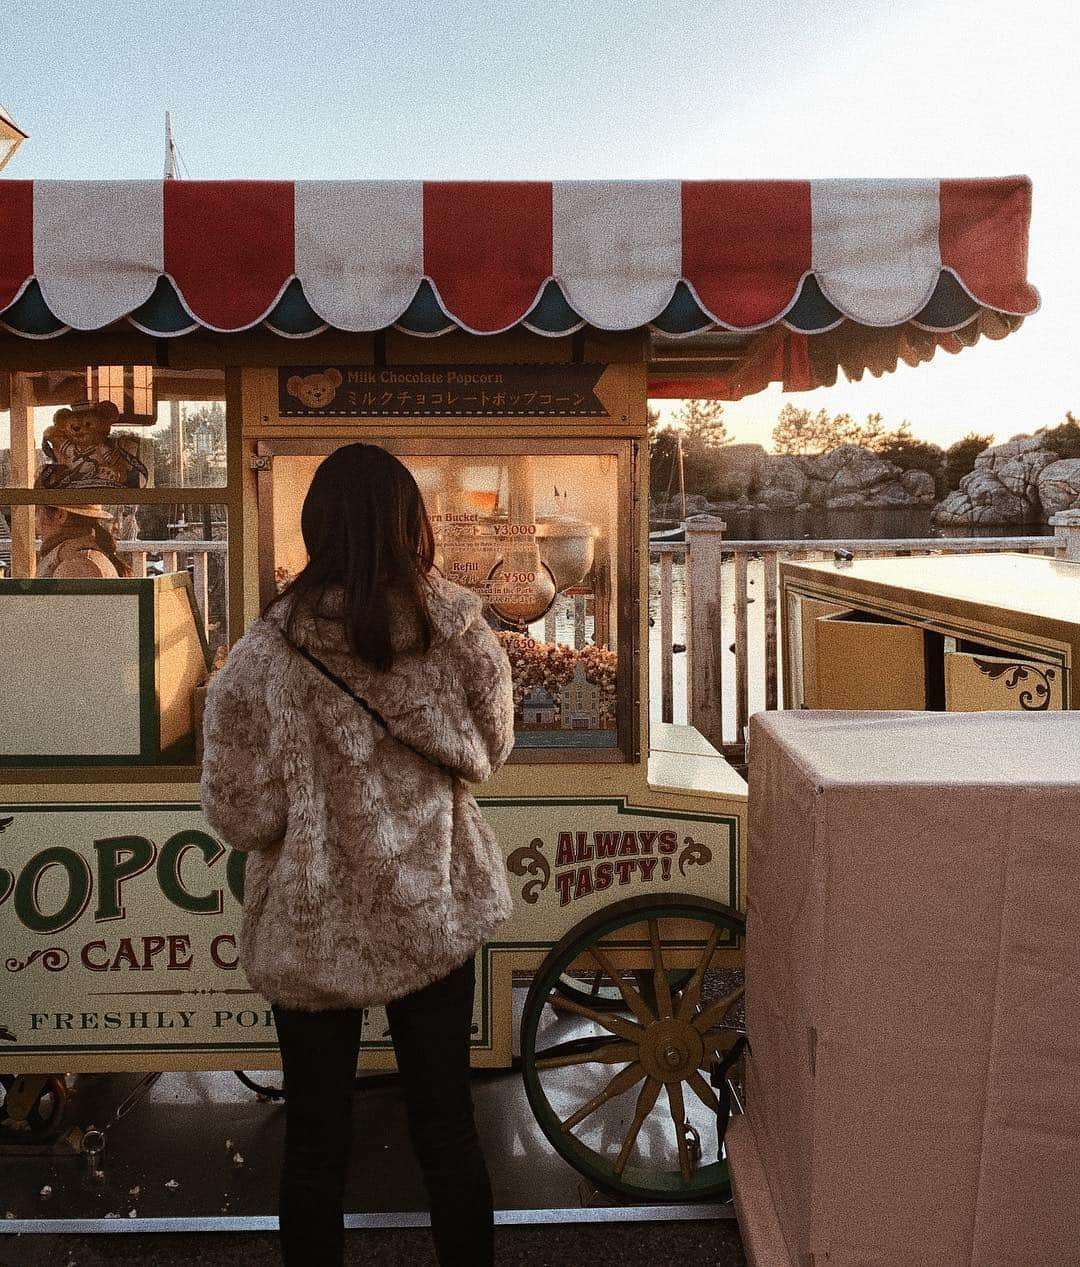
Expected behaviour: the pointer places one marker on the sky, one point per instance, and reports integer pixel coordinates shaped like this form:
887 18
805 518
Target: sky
550 89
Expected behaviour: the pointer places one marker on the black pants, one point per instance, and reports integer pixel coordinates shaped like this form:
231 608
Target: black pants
430 1031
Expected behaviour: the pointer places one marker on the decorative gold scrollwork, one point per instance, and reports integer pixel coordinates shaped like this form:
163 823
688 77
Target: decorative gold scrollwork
53 959
1034 698
694 854
530 860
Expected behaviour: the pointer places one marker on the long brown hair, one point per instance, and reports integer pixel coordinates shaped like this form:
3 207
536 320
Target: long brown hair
366 531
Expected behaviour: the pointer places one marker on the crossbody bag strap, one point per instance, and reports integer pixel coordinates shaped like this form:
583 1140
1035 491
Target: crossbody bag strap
340 683
373 713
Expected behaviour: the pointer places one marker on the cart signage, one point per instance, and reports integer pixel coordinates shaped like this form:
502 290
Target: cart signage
578 855
119 929
119 923
562 390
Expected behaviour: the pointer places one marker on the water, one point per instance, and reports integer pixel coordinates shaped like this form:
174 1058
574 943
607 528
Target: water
751 524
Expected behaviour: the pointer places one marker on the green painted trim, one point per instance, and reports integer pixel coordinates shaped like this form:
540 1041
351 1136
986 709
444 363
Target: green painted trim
87 806
617 801
149 706
730 820
79 585
641 811
482 1041
484 1037
146 590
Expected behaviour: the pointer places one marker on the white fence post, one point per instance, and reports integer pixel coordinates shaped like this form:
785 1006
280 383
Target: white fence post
1066 526
704 538
667 667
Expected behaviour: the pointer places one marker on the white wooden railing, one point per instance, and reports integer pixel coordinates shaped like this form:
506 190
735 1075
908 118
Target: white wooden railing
178 556
734 654
718 608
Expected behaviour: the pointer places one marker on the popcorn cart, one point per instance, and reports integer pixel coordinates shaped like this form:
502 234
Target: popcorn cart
502 340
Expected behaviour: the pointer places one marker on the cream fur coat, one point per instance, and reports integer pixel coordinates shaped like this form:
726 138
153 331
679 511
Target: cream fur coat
371 872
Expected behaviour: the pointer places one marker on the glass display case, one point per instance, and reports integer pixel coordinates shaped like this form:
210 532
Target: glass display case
114 562
535 531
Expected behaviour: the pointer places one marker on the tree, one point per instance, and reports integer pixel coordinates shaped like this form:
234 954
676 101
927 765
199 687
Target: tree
902 449
800 431
960 458
702 424
704 435
663 464
1064 439
699 424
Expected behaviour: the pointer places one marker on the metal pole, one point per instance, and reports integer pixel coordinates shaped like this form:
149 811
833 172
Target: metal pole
170 149
682 479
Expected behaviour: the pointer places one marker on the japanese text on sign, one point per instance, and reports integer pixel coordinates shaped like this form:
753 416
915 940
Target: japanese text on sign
455 391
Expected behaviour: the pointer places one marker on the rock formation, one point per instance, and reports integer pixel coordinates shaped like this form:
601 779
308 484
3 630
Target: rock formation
1059 486
847 478
1018 482
1003 488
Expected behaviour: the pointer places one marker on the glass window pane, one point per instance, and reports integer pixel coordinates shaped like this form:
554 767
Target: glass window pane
119 540
96 674
536 537
170 432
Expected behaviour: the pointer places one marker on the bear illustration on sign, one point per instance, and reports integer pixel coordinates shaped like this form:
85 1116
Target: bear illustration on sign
316 391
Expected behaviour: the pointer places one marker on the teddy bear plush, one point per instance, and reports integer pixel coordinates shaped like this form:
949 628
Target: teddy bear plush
82 454
316 391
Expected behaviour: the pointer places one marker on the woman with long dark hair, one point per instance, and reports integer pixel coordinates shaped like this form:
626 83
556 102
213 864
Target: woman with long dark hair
338 740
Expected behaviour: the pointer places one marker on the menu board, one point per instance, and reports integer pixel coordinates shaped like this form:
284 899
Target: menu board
535 536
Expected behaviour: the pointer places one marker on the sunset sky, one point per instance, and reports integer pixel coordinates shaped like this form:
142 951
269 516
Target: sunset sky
605 89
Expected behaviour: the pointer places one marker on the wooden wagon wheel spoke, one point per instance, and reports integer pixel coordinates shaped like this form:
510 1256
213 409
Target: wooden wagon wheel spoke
622 1082
647 1098
660 980
678 1116
617 1025
716 1011
719 1040
692 992
631 997
703 1091
606 1052
636 1041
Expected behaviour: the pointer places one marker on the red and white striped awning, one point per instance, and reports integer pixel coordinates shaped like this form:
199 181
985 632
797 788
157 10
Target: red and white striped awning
682 257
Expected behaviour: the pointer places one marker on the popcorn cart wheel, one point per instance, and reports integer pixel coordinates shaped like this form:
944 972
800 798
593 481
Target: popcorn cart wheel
33 1107
664 1038
593 989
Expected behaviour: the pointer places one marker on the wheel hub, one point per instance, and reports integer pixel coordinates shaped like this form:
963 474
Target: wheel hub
670 1050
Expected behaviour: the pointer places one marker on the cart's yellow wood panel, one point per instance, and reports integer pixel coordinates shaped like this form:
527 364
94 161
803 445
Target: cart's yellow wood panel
988 683
975 615
864 663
